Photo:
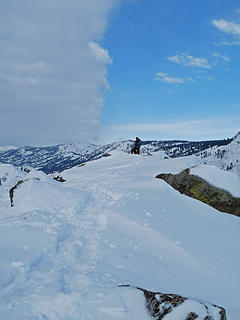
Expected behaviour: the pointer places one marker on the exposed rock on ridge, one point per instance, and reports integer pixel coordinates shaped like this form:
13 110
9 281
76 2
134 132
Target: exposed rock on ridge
161 304
198 188
11 191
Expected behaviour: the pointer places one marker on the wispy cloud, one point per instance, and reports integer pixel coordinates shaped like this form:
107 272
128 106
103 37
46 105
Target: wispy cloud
225 58
228 43
182 130
205 77
190 61
164 77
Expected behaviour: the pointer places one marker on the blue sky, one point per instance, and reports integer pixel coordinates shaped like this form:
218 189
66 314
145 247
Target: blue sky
98 71
175 70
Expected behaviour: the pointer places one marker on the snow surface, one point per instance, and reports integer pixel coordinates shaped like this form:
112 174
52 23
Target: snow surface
219 178
65 247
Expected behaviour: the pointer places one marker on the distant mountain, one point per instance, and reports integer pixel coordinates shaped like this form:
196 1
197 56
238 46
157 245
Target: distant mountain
225 157
62 157
6 148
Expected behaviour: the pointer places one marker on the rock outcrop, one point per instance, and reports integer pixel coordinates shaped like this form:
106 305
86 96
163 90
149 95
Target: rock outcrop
11 191
106 155
160 304
198 188
59 179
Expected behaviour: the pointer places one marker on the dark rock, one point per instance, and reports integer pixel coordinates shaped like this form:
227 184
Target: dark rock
198 188
25 169
160 304
81 165
59 179
11 191
192 316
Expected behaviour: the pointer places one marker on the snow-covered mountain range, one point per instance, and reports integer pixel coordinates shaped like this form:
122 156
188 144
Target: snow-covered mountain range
225 157
62 157
66 247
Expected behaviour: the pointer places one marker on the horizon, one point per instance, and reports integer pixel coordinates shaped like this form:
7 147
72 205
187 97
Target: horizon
111 142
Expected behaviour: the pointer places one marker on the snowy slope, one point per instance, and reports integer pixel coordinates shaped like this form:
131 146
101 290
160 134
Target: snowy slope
65 247
224 157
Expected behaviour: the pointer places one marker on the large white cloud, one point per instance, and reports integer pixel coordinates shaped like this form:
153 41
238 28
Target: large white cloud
51 69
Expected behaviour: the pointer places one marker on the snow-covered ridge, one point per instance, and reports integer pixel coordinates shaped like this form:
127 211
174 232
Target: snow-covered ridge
236 138
224 157
7 148
61 157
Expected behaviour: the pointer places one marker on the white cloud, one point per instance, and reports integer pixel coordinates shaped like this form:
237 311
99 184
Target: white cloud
20 81
190 61
205 78
225 58
36 66
101 54
228 43
228 27
230 31
164 77
52 69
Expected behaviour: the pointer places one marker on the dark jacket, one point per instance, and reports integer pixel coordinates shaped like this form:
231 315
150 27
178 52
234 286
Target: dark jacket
137 143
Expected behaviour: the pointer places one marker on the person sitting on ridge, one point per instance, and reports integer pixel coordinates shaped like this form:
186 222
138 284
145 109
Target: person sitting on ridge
136 147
